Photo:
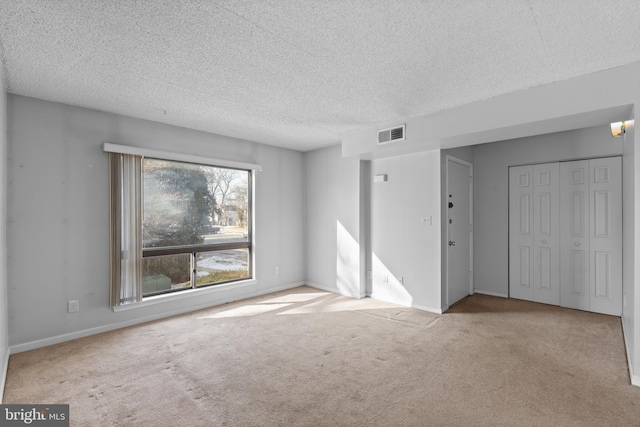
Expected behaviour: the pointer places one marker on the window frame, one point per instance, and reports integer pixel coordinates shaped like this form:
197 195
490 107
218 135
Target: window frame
193 250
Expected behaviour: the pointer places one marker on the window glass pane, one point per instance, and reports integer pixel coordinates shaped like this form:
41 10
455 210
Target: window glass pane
165 273
229 189
189 204
221 266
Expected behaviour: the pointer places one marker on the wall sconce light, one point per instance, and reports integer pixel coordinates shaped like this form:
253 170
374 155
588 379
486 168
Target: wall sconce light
618 128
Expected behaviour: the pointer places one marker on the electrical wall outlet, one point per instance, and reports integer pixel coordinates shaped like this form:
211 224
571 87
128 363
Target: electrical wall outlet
276 270
73 306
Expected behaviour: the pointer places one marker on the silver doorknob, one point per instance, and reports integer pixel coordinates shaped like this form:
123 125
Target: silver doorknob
452 243
544 242
577 243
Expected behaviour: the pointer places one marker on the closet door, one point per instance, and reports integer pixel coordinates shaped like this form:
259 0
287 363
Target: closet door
575 226
546 234
591 241
605 281
521 232
534 243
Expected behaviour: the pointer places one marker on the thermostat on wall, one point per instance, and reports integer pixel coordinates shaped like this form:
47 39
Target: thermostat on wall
380 178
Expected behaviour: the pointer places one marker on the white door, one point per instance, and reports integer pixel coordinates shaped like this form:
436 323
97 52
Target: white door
575 226
565 234
521 232
605 203
459 230
546 234
534 241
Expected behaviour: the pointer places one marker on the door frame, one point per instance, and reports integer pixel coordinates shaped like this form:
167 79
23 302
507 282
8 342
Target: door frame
446 241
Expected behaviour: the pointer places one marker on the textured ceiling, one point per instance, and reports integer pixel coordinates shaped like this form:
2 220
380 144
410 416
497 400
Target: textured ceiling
300 73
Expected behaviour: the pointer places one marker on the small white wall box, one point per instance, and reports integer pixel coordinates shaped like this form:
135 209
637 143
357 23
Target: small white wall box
380 178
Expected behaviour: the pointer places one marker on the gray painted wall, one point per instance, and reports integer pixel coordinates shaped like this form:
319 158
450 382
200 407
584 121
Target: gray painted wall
491 182
58 223
333 222
4 324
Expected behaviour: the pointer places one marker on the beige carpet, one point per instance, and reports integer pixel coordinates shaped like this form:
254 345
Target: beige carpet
311 358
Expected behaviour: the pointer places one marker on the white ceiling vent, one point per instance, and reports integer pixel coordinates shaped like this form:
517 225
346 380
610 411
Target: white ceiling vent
385 136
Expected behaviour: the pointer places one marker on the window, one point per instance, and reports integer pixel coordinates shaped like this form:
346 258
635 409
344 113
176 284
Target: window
177 225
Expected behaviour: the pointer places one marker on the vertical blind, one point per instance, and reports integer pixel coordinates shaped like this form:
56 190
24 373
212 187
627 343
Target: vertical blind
126 228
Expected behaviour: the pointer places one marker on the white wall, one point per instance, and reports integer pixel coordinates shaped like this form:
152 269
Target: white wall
402 245
629 202
491 188
4 327
333 237
58 223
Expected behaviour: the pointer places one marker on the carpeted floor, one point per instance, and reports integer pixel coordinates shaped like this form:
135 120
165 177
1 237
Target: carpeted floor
310 358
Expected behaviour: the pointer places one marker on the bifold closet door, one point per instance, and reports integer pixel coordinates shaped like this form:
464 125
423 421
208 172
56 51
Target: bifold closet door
534 237
521 232
575 226
591 240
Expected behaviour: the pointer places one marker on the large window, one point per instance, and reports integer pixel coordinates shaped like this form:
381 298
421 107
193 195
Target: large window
177 225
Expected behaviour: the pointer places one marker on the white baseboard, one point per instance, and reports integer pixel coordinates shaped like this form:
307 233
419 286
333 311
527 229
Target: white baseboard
19 348
322 287
391 300
3 377
430 309
410 304
635 380
493 294
335 290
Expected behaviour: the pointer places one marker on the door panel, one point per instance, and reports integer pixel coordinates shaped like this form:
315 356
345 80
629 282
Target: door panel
602 275
579 286
545 279
525 214
525 267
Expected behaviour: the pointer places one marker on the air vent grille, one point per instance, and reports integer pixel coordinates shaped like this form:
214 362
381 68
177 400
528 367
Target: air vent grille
384 136
395 134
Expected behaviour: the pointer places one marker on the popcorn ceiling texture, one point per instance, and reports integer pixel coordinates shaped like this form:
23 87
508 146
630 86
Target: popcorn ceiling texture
301 74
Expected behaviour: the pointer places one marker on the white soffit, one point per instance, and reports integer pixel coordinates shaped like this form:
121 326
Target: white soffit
301 74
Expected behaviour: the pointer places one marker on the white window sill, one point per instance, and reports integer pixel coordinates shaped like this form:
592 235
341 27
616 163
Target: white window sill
191 293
